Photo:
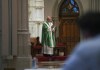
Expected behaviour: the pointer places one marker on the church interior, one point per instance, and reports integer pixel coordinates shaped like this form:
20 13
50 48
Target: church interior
21 30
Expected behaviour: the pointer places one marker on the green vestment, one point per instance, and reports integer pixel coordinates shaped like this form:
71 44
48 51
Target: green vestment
48 37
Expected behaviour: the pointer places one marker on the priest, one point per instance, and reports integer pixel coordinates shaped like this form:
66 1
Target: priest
48 37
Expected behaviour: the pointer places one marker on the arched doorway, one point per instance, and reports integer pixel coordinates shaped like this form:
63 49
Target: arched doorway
68 30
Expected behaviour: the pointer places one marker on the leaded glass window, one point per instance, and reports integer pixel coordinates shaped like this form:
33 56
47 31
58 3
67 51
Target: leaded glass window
69 8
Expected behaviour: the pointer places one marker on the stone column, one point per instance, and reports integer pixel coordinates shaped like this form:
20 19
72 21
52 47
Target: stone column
0 33
94 5
15 48
24 54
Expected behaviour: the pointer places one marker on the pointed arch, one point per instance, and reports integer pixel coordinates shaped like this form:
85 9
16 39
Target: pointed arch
55 11
69 8
68 30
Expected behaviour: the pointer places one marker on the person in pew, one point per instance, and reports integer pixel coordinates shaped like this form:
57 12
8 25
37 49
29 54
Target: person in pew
38 42
32 45
86 55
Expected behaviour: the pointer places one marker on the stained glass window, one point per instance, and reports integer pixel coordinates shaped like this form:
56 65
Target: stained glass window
75 9
72 2
69 7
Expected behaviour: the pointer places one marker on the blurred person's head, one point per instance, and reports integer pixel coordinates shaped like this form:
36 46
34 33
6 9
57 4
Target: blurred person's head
89 24
49 19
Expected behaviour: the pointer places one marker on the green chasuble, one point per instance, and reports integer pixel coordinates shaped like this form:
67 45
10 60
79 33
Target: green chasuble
48 37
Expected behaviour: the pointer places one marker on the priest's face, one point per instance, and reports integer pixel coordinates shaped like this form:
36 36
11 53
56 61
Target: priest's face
49 19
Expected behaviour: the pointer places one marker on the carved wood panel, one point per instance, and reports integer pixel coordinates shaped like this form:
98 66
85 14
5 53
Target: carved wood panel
69 32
